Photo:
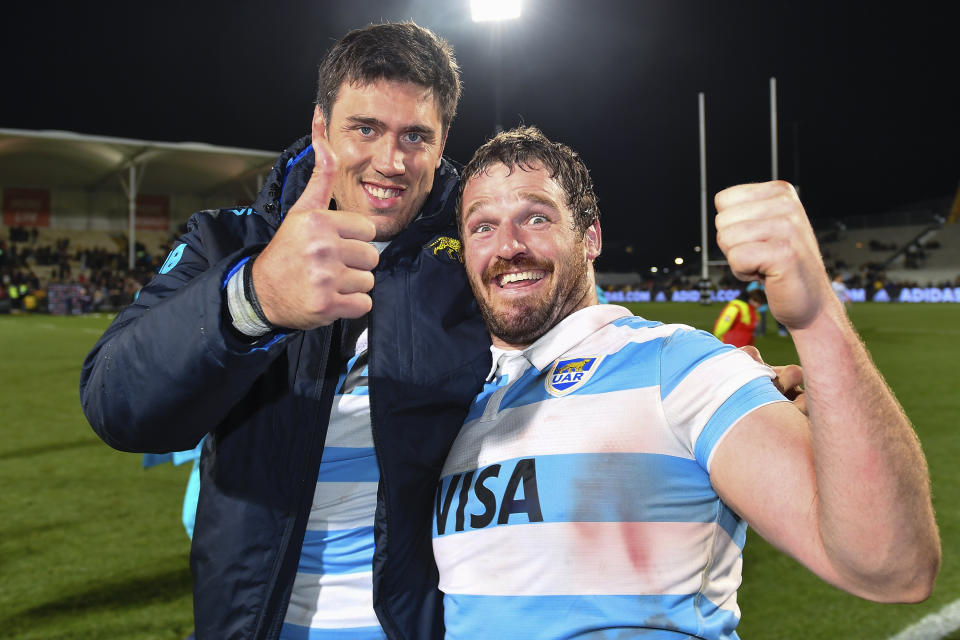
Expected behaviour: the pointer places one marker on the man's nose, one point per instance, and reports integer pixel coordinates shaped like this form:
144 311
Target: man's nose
510 242
388 157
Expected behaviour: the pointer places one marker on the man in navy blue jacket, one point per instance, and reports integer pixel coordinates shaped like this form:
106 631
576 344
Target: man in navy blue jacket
331 380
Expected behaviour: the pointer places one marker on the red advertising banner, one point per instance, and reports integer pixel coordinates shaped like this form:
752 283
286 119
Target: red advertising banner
153 212
26 207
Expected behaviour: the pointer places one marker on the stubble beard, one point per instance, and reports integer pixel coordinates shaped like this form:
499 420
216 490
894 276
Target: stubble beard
528 320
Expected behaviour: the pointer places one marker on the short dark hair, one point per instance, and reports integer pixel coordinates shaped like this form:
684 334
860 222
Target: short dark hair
392 51
528 149
755 294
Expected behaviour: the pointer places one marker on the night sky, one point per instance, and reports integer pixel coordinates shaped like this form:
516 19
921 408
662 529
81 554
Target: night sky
868 111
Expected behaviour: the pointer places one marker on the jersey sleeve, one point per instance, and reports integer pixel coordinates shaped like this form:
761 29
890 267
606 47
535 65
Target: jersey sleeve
707 386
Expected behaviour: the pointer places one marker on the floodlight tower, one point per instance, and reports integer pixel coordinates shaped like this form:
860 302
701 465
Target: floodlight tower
496 11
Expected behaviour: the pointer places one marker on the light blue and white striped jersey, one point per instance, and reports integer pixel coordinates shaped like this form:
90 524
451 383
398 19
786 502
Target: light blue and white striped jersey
576 501
332 597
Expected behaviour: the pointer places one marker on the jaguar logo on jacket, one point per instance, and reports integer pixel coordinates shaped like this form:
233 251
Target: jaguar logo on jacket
451 246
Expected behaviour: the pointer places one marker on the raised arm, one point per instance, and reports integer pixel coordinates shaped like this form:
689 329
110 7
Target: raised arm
846 492
175 363
317 268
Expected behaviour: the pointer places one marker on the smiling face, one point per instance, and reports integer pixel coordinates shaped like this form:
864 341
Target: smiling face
388 139
528 266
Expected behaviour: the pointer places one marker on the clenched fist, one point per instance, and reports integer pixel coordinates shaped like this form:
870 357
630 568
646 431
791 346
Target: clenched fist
317 268
764 232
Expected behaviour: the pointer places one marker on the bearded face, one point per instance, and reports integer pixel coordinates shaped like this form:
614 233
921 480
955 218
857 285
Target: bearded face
528 267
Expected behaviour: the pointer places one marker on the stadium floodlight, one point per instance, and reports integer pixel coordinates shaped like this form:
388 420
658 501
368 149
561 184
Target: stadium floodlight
678 261
494 10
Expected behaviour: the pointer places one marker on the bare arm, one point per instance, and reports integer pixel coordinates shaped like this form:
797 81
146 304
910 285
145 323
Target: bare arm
846 491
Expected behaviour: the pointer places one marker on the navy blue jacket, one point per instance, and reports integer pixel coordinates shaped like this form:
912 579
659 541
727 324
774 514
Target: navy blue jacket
169 370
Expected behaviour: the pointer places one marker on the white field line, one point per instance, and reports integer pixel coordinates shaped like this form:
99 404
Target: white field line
934 626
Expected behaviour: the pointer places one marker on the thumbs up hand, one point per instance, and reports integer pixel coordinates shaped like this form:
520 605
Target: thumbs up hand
317 268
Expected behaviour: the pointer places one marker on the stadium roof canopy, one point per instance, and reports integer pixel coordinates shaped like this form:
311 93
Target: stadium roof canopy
73 160
63 159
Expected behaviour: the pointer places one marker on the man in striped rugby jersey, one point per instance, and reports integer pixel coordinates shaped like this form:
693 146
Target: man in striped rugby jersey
603 480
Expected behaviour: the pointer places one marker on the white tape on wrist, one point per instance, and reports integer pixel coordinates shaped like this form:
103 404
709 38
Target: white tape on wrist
242 313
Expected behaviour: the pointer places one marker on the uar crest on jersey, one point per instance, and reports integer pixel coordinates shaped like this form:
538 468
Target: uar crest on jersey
569 374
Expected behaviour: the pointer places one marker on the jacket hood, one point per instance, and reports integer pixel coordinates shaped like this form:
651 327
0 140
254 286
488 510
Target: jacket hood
293 168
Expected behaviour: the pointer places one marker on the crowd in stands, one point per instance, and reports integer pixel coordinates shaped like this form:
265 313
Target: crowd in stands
61 278
85 279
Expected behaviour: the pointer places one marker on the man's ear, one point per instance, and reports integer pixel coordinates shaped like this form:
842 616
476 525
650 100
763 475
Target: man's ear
593 240
318 127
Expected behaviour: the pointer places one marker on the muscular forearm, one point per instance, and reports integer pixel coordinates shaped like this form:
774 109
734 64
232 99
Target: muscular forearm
853 480
873 496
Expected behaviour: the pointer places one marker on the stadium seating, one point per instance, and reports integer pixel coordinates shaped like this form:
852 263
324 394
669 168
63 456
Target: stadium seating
941 258
856 247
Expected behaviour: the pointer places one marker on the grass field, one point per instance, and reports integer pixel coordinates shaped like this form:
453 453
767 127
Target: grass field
91 545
